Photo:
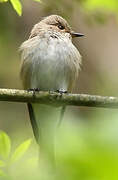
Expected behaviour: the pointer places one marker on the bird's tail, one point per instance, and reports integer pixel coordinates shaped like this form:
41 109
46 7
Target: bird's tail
33 122
44 120
61 115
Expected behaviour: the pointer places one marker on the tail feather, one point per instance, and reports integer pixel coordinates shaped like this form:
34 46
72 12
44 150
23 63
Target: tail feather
61 115
33 122
44 120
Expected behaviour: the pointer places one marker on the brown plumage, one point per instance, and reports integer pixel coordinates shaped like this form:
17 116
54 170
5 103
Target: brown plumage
50 62
51 35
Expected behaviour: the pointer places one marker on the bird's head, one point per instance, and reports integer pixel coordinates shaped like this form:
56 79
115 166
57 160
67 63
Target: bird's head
54 23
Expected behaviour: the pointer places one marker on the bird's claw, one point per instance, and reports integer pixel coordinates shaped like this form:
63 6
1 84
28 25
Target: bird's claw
34 90
62 91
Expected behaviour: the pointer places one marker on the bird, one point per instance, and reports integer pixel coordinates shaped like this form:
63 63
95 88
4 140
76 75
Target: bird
49 62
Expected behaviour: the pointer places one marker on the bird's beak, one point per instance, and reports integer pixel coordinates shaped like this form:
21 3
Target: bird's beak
74 34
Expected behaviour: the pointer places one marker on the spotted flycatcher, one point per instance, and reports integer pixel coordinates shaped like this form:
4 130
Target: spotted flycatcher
50 62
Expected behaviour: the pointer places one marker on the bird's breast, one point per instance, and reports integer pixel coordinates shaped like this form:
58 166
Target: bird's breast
54 63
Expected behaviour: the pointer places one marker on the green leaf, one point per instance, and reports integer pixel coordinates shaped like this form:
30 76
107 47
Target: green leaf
2 163
5 145
3 1
17 6
20 150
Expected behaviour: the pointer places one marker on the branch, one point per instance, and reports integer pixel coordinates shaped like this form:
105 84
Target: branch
56 99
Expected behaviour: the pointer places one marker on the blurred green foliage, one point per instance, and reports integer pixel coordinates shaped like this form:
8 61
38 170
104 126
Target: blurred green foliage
100 9
109 6
6 158
3 1
83 151
102 5
16 5
20 150
5 145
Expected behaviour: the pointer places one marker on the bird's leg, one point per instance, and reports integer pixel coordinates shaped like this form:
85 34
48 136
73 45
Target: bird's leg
34 90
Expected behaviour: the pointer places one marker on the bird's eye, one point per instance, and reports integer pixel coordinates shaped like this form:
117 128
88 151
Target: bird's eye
61 27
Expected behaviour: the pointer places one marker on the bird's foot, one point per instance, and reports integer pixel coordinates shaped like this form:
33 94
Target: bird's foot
62 91
34 90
